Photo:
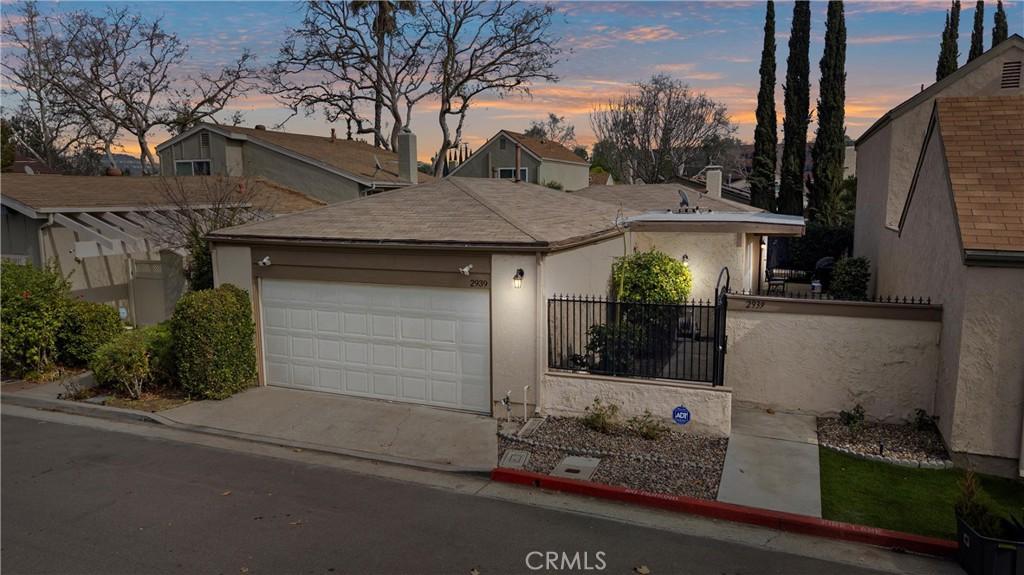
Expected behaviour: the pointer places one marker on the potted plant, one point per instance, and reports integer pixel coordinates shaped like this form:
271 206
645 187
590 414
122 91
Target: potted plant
989 544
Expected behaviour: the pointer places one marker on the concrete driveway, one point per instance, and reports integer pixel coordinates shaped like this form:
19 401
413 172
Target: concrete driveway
396 432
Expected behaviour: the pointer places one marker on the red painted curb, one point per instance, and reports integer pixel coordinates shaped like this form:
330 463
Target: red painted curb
740 513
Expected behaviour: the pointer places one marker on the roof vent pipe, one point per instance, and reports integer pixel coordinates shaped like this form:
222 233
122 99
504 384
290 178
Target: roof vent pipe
334 138
407 168
515 177
260 127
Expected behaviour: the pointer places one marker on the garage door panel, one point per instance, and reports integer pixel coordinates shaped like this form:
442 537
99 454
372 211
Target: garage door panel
403 343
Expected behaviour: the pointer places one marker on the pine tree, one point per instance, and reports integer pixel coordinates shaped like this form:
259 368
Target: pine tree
766 138
978 33
829 148
999 30
797 92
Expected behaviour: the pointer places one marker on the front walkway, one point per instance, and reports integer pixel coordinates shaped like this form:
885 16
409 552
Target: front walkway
397 432
772 462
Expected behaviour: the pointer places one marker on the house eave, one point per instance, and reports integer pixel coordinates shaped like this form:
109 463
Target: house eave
994 258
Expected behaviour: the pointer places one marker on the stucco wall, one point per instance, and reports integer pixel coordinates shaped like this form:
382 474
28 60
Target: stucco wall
572 176
300 176
710 407
514 333
232 264
708 254
990 393
872 191
477 166
820 364
584 271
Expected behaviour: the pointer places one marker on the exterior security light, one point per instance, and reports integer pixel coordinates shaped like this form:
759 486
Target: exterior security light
517 280
686 261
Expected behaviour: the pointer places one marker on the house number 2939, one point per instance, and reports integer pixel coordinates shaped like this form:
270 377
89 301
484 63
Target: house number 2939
478 283
754 304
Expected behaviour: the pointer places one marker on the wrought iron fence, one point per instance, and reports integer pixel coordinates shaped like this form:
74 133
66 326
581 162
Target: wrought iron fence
607 337
829 297
790 275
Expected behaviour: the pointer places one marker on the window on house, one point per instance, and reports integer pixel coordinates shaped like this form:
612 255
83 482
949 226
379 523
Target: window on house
501 143
192 168
1011 75
510 174
204 144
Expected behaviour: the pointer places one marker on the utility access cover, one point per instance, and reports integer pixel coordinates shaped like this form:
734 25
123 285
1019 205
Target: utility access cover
575 467
514 459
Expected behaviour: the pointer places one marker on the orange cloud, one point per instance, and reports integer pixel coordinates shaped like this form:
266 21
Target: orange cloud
644 34
887 38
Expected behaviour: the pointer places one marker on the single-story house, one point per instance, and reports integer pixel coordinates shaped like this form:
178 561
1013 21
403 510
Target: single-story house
438 294
536 160
326 167
960 241
103 233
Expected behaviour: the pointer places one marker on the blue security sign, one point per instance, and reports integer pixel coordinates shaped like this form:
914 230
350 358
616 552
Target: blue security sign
681 415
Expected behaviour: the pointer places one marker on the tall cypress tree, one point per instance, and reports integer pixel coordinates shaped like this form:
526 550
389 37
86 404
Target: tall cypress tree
830 142
949 52
999 30
766 137
978 33
797 100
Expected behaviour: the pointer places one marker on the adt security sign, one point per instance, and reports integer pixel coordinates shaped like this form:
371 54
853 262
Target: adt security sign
681 415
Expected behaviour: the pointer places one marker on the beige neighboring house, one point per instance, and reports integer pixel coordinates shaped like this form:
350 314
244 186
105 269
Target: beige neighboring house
325 167
960 241
888 151
601 179
440 294
101 233
537 161
700 227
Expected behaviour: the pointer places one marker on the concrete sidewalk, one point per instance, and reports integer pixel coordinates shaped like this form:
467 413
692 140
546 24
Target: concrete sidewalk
772 462
396 432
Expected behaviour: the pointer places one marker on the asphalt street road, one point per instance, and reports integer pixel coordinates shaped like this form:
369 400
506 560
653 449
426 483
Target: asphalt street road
82 500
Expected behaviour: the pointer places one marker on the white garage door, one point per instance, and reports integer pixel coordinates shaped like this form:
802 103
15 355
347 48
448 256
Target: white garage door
413 344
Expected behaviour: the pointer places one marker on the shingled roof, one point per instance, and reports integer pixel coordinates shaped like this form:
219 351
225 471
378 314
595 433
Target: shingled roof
983 139
454 212
545 149
47 193
659 197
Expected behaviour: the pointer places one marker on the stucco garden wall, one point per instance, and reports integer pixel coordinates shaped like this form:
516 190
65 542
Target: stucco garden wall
710 407
708 253
802 356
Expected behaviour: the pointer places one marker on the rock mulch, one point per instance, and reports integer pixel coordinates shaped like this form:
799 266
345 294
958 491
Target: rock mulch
902 444
676 464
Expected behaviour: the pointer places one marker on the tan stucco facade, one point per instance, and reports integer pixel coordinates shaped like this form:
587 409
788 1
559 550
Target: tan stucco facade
820 357
572 177
707 254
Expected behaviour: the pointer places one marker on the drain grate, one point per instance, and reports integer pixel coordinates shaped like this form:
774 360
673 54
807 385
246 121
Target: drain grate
575 467
514 459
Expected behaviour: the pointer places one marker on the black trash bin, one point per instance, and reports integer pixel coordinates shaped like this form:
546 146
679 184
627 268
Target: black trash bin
980 555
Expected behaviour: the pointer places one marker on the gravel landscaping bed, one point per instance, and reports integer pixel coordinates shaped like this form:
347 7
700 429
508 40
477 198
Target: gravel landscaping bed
676 464
887 441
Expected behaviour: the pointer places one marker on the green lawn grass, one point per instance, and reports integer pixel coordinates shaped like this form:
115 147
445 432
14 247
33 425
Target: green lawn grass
900 498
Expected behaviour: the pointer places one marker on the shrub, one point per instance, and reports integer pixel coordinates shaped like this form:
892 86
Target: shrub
86 326
819 241
976 509
854 418
652 276
32 301
647 426
214 345
925 422
614 347
123 364
850 279
554 185
600 416
160 349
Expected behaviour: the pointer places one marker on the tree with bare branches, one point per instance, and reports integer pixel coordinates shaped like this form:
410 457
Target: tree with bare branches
556 129
346 58
122 69
199 206
500 47
656 128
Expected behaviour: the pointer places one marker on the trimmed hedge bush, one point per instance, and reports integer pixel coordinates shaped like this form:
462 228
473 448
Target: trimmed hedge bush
123 364
651 277
214 342
86 327
159 341
32 302
850 279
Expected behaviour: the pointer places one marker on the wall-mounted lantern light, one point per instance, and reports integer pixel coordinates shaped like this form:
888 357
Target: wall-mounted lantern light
686 261
517 280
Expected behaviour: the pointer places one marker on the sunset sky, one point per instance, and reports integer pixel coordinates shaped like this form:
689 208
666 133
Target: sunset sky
714 46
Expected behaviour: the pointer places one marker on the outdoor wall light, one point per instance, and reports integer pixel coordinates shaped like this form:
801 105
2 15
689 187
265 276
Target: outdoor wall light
517 280
686 261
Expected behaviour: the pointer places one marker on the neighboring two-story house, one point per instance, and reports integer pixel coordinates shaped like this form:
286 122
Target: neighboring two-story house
329 168
888 152
538 161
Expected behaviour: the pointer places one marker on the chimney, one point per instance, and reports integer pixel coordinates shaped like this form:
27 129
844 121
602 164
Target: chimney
407 171
333 137
518 160
713 181
260 127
